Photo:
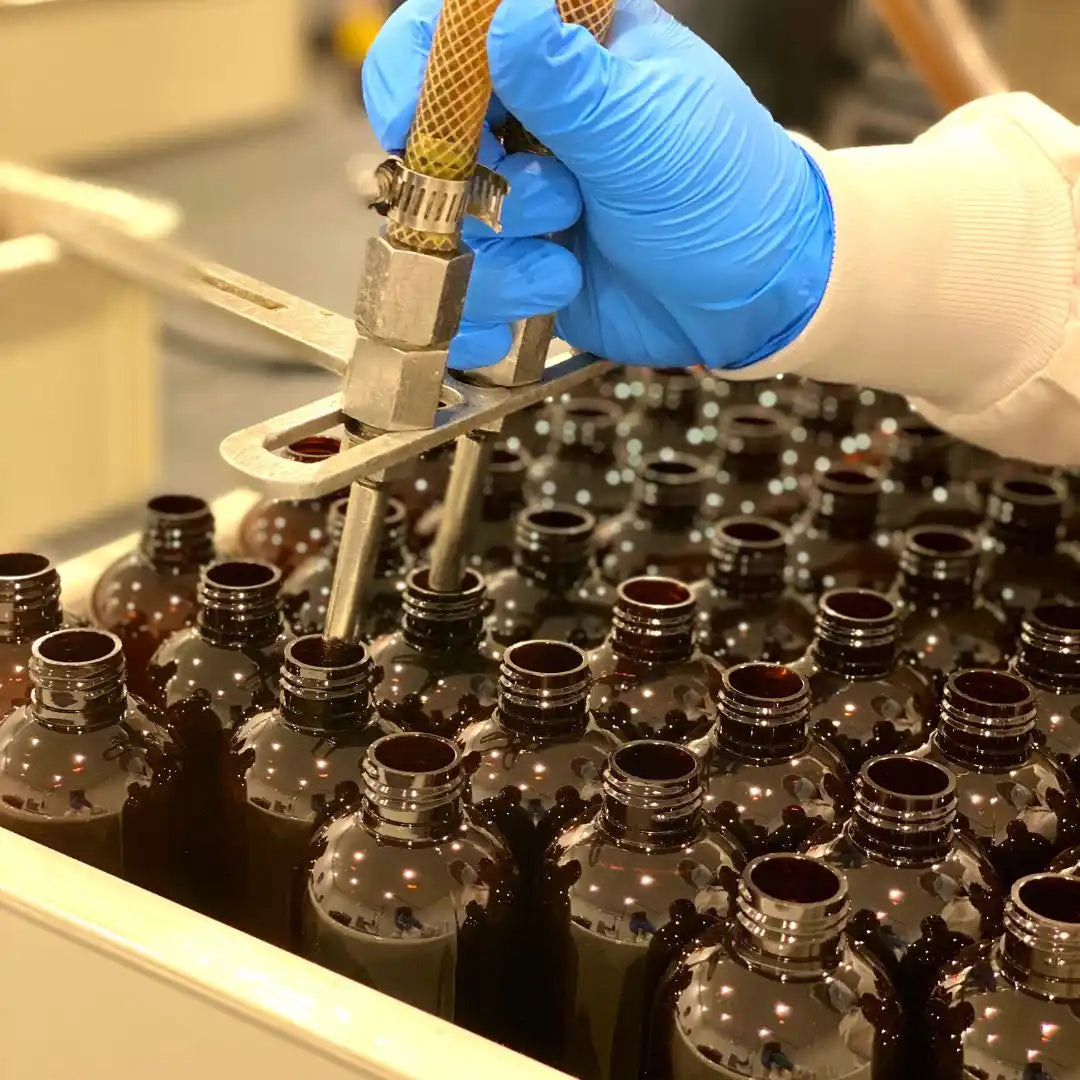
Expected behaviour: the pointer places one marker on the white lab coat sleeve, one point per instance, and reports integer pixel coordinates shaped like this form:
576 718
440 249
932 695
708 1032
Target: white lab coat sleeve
956 277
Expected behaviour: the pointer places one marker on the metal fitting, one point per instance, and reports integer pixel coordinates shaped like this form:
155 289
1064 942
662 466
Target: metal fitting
524 364
392 389
411 299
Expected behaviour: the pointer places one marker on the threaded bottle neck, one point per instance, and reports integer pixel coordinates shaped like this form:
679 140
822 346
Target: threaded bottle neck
554 546
857 632
653 620
920 453
1049 653
239 602
827 408
1026 512
749 555
29 596
77 679
179 533
987 719
672 393
544 688
939 563
1041 945
848 501
905 809
395 530
670 490
413 788
507 471
752 438
652 796
441 621
764 712
790 912
326 685
584 428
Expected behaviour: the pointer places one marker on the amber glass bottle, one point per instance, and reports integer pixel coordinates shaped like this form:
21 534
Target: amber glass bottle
779 990
751 476
292 769
919 488
209 678
619 879
1015 802
767 779
149 593
554 589
87 768
650 681
1011 1007
665 415
305 594
945 623
286 531
867 700
745 609
29 608
1025 564
664 530
491 539
920 891
839 544
1049 659
580 466
412 894
829 422
440 671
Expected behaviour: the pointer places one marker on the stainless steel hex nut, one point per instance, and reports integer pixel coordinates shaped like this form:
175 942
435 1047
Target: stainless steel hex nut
393 389
411 298
524 364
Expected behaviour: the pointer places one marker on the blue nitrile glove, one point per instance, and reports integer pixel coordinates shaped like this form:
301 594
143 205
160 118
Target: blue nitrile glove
695 230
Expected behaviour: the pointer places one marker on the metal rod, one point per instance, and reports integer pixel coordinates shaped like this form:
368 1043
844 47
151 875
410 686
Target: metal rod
464 491
357 557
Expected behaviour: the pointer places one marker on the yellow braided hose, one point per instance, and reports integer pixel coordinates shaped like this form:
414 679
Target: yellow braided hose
445 135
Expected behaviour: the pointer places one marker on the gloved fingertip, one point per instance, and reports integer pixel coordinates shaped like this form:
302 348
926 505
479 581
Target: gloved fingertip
477 346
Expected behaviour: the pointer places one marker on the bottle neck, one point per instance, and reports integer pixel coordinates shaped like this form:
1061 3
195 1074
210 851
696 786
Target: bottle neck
905 810
652 795
544 689
672 395
653 621
827 409
393 554
554 547
1040 948
921 454
77 679
987 720
669 492
848 502
504 484
790 913
753 438
414 787
1049 654
939 565
239 603
584 429
1026 513
29 597
326 685
764 713
179 534
443 622
856 635
748 558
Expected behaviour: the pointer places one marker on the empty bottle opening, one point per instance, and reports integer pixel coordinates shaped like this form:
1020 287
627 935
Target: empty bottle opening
677 469
771 681
943 542
314 448
546 658
503 456
859 604
909 776
851 480
1031 488
795 879
414 753
16 564
992 687
659 762
656 592
420 580
240 574
747 531
566 520
1057 616
592 411
77 646
920 429
738 418
315 651
395 511
1052 897
177 505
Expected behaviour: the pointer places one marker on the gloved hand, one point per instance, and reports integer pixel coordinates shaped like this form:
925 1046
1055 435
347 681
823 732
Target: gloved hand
694 230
